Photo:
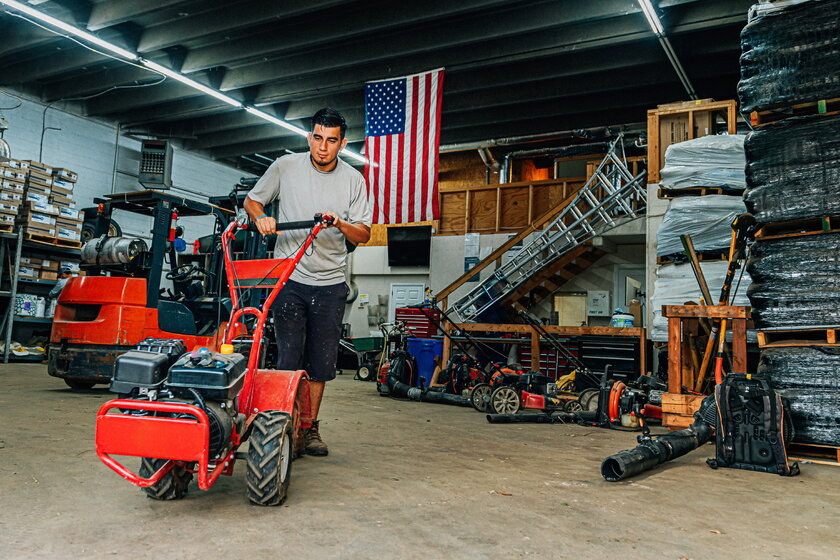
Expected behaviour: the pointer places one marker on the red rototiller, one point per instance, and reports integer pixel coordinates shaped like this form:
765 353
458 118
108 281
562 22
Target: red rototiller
186 414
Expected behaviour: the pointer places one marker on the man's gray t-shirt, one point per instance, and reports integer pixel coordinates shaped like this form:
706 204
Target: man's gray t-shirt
302 192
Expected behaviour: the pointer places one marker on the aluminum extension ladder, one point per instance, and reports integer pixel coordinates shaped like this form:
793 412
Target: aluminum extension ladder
611 197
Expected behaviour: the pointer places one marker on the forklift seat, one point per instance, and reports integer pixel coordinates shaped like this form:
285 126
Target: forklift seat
175 317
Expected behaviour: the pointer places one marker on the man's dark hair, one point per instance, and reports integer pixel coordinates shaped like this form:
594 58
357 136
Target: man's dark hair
329 118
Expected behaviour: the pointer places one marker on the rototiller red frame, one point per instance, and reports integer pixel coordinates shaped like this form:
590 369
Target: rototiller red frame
271 403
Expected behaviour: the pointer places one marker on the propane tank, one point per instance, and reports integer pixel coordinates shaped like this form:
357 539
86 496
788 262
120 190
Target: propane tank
112 250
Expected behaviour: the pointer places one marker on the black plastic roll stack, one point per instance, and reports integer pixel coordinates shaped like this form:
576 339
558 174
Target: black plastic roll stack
808 378
795 282
793 168
790 56
790 64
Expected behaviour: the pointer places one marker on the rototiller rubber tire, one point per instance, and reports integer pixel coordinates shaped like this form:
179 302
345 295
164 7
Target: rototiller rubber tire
269 458
173 485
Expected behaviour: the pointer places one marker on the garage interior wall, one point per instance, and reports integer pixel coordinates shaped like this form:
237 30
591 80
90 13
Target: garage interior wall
87 147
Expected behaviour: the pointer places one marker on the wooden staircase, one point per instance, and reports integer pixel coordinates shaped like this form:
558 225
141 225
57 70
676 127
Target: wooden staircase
561 246
553 277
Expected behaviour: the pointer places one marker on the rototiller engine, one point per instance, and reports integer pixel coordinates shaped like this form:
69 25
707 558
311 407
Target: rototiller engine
186 413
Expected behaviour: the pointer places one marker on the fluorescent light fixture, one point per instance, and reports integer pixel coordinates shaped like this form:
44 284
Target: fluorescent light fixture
279 122
66 27
169 73
651 17
160 69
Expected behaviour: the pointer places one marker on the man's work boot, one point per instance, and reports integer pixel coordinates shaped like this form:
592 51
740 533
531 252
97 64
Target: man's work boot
314 445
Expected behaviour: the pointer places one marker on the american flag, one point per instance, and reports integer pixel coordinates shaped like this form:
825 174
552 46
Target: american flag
402 133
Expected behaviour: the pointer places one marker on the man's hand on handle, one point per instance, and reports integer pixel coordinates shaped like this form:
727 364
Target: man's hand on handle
266 225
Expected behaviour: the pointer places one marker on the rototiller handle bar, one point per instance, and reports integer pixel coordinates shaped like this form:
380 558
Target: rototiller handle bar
305 224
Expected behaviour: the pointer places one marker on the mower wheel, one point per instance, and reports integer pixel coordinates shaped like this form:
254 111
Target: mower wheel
588 399
365 372
79 385
572 406
505 400
480 396
173 485
269 458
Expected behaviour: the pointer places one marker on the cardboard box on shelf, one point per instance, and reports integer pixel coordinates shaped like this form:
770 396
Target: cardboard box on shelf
38 229
17 164
11 186
50 265
12 173
11 197
37 166
32 261
62 199
36 197
38 181
7 219
74 265
8 207
68 233
35 218
70 213
39 208
38 189
65 174
48 275
62 187
77 227
29 272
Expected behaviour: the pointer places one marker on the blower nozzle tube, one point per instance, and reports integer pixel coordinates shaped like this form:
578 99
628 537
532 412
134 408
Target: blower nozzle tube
653 452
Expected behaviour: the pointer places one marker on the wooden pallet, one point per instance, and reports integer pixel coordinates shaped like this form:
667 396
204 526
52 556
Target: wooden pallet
680 258
799 337
52 241
813 453
669 194
7 228
822 107
799 228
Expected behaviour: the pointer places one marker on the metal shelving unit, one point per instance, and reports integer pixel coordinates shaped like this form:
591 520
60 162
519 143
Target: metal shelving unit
13 243
6 239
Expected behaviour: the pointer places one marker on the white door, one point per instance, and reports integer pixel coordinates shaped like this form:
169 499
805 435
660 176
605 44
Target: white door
402 295
629 284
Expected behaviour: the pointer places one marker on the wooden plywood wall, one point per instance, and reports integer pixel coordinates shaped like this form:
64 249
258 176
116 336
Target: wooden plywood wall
500 208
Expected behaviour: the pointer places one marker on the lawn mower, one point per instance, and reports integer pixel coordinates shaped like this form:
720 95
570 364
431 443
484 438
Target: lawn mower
508 390
191 417
617 405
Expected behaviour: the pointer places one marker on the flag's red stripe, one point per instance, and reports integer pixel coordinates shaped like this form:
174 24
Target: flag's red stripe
435 204
412 156
424 177
399 178
386 162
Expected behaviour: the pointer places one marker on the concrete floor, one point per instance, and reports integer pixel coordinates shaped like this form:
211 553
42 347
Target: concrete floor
403 480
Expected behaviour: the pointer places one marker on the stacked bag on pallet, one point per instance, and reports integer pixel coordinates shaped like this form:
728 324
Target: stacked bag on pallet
675 285
710 161
791 56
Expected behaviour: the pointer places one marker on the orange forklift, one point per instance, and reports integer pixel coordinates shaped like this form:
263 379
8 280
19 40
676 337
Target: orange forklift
122 299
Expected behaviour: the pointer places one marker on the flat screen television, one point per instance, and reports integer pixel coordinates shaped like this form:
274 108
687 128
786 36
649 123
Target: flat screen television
409 245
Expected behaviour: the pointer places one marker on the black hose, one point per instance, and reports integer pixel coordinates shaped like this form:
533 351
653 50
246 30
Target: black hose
652 452
397 388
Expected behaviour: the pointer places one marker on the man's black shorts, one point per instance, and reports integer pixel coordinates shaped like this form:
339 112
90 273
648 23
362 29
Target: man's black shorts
307 320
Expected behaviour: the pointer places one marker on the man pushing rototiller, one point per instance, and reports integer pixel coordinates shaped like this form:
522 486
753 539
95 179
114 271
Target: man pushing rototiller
190 417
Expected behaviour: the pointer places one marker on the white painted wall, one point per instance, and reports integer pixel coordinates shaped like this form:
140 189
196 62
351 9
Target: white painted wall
93 149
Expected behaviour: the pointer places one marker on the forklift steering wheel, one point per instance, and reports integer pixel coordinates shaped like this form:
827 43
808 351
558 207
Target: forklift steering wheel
184 271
